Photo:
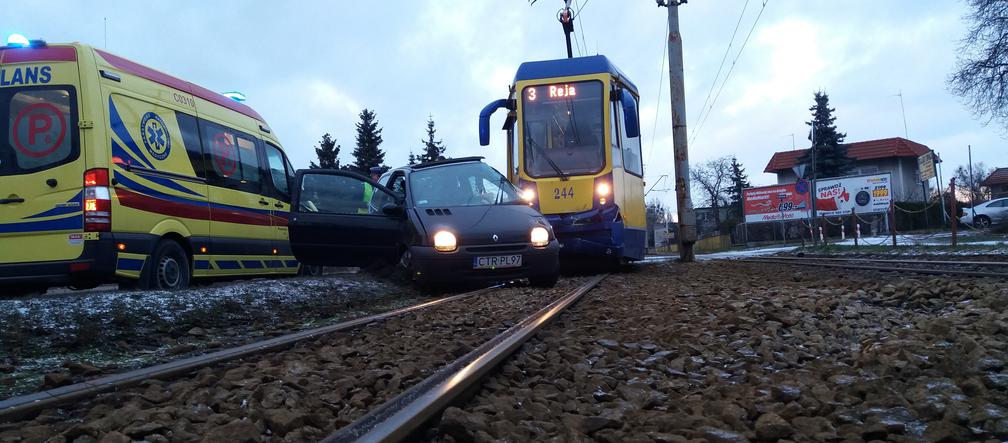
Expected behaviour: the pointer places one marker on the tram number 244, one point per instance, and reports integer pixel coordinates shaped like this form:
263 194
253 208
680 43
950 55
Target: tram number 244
559 193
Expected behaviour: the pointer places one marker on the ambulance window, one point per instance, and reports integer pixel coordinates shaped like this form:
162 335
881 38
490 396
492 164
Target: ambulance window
232 157
41 129
276 168
190 137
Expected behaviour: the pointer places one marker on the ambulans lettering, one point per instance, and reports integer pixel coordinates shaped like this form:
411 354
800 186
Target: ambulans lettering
30 75
155 136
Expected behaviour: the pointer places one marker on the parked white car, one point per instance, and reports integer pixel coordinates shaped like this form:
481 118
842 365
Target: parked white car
984 215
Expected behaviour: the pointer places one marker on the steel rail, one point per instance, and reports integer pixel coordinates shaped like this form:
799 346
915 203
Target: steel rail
16 407
398 418
879 268
886 260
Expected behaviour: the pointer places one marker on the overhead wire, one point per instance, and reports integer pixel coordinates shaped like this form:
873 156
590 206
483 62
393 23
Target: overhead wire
661 81
730 70
580 26
724 58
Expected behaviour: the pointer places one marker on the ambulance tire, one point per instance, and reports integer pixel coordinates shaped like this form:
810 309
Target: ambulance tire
167 268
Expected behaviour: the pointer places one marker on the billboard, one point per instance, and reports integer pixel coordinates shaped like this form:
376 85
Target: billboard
788 201
865 194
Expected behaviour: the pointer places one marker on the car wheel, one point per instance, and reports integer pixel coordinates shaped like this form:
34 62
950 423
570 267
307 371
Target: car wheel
309 270
404 268
544 281
983 222
167 268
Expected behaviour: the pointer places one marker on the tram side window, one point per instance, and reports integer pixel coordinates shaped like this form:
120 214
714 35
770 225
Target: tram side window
232 157
617 155
631 146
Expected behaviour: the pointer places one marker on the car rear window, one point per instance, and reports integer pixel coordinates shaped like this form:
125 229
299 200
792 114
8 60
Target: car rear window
40 125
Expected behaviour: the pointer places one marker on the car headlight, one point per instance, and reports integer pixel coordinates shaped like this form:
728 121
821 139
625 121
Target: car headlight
539 237
444 241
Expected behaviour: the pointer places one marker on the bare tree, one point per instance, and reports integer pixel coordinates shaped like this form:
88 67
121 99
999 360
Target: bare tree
713 179
981 76
972 192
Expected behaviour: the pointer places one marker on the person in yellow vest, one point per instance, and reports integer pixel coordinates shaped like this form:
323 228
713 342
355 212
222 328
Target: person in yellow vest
369 192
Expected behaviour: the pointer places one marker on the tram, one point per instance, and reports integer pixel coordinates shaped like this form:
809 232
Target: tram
574 149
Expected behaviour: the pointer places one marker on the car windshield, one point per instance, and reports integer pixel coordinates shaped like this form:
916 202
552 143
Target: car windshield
460 184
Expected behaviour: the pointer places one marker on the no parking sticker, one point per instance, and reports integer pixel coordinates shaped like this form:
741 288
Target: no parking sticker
39 130
224 154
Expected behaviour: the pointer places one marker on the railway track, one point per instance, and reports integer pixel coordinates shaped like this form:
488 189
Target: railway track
991 269
398 418
20 406
330 379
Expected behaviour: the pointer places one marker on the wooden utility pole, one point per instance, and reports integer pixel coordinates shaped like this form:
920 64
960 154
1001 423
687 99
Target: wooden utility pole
684 204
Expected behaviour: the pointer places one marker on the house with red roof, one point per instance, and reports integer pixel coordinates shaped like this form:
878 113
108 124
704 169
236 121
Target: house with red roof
896 155
997 182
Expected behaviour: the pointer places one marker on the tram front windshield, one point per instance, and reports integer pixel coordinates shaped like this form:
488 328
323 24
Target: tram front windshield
563 129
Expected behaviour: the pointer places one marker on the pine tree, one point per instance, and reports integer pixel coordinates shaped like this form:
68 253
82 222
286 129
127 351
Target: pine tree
433 150
739 181
831 158
327 152
413 158
368 153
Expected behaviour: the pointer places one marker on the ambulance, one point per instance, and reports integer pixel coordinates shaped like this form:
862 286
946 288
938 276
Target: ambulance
111 171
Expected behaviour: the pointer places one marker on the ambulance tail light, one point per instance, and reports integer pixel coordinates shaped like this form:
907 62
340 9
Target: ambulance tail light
97 201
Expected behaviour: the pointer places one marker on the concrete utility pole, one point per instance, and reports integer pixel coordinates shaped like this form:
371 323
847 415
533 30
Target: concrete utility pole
684 204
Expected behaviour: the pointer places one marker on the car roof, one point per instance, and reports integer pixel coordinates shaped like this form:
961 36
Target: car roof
447 161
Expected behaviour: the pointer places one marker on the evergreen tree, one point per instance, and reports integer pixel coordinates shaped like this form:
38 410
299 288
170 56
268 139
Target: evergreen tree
327 152
413 158
831 158
433 150
368 153
739 181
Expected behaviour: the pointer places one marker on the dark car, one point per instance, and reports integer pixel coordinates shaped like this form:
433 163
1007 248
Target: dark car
441 222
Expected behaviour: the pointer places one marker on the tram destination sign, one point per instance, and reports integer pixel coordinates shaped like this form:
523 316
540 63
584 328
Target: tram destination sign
864 194
789 201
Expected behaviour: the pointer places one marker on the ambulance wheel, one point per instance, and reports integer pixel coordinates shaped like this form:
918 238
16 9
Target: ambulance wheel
167 268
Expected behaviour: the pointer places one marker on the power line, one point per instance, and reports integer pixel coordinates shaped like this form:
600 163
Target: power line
730 70
581 25
661 79
724 58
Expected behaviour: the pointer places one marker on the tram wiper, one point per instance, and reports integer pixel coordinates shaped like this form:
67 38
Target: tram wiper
531 141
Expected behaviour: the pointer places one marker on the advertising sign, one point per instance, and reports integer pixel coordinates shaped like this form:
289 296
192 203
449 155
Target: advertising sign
773 203
865 194
925 164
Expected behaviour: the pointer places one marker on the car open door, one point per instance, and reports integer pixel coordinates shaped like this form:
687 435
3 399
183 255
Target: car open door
339 218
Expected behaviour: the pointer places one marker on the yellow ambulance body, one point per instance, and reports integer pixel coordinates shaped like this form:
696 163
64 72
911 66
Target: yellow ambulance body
113 171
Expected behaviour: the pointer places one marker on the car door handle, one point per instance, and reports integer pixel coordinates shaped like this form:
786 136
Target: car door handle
51 182
264 202
4 201
279 205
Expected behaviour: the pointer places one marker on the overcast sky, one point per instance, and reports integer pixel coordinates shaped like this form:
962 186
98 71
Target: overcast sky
309 67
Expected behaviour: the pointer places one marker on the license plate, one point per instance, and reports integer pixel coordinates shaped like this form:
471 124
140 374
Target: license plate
497 261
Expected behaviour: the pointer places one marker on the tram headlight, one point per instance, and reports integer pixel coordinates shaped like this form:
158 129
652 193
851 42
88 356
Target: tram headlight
539 237
528 195
603 190
444 241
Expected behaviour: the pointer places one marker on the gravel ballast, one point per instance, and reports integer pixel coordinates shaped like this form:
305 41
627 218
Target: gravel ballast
301 394
734 352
